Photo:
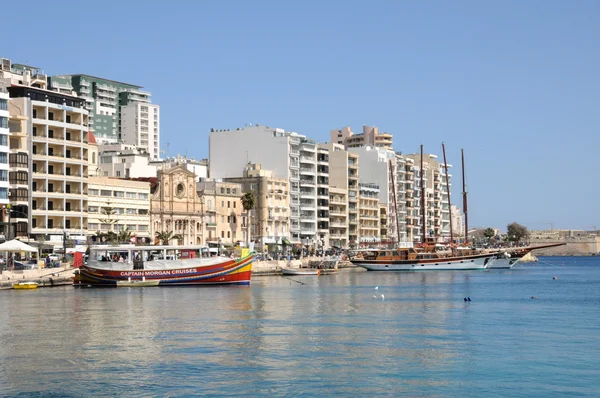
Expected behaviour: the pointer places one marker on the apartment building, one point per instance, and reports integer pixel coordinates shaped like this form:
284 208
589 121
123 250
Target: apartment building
125 161
116 205
270 217
368 218
4 147
338 217
436 208
57 137
343 173
198 167
289 155
369 137
387 169
140 126
222 206
323 197
105 100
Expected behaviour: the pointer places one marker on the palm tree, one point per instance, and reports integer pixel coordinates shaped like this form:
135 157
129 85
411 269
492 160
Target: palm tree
124 236
248 203
165 237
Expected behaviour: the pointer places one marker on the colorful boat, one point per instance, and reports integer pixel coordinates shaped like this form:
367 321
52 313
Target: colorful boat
25 285
142 266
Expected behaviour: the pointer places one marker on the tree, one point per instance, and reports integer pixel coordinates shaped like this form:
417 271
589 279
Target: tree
516 232
165 237
248 203
489 233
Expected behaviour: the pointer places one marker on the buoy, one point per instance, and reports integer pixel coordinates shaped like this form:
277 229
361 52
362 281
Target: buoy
533 297
376 287
555 277
468 298
382 297
465 299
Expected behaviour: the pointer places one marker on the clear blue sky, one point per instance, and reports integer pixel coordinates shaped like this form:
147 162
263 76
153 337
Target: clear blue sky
514 83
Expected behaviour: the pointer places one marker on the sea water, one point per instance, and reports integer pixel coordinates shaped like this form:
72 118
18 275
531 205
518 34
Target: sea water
356 333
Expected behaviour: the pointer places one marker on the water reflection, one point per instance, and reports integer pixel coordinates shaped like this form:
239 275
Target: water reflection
276 337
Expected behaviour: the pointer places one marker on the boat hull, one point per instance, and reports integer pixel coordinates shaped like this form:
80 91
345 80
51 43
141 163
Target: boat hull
478 262
504 263
233 272
25 286
299 271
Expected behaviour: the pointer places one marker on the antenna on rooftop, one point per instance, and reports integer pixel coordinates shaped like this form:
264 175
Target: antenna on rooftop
165 149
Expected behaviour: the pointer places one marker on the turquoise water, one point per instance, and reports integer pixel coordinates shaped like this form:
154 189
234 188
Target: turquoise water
325 336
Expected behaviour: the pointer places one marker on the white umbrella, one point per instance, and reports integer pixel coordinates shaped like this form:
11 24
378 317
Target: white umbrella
17 246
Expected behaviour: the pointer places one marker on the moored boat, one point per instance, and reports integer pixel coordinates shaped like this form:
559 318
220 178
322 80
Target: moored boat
410 259
142 266
25 285
300 271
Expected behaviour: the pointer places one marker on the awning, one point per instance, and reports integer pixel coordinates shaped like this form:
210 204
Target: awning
286 242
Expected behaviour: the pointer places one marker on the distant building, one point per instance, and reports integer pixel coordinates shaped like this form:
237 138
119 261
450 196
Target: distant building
222 203
369 213
198 167
140 126
124 161
369 137
116 205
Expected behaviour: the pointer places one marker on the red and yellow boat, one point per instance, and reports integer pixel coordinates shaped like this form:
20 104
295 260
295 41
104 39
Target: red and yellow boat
140 266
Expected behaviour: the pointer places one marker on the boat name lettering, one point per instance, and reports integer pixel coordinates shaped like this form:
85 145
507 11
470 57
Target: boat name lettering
159 273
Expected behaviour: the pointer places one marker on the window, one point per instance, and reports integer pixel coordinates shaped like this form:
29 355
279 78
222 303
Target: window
234 205
228 204
3 122
143 196
118 173
92 209
92 192
131 195
3 193
119 210
131 227
229 234
92 226
119 194
222 190
142 228
228 190
4 139
131 211
4 175
222 234
233 191
105 192
228 219
3 104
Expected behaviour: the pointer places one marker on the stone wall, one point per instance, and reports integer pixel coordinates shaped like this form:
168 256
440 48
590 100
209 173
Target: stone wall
573 247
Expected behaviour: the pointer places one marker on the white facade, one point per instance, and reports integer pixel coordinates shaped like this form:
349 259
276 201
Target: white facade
124 161
198 167
140 126
4 145
288 155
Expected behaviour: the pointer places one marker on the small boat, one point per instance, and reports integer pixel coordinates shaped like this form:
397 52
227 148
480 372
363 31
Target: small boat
300 271
25 285
142 266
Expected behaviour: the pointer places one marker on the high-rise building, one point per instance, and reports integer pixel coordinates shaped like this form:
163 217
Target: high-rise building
368 218
108 102
338 217
4 158
140 125
57 139
289 155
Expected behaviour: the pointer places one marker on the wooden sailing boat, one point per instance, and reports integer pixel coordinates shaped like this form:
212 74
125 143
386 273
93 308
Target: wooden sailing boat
428 259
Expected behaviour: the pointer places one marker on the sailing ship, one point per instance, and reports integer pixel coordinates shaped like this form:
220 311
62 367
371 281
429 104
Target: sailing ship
140 266
429 256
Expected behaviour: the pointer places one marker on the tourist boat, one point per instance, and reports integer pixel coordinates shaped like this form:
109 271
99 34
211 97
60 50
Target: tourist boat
411 259
428 256
509 257
300 271
25 285
143 266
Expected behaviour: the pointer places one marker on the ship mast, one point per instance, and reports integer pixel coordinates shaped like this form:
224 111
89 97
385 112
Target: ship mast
462 152
423 198
395 205
448 190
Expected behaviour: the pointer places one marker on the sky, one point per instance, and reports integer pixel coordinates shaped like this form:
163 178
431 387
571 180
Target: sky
513 83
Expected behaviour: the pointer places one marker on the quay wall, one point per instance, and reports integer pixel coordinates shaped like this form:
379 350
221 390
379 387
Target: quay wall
573 247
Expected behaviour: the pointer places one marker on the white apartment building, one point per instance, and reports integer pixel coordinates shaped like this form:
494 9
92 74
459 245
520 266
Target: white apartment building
140 126
368 213
4 145
323 196
124 161
289 155
116 205
458 227
57 136
375 169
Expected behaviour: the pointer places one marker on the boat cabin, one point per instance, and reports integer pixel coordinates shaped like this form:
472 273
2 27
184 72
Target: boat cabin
141 256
